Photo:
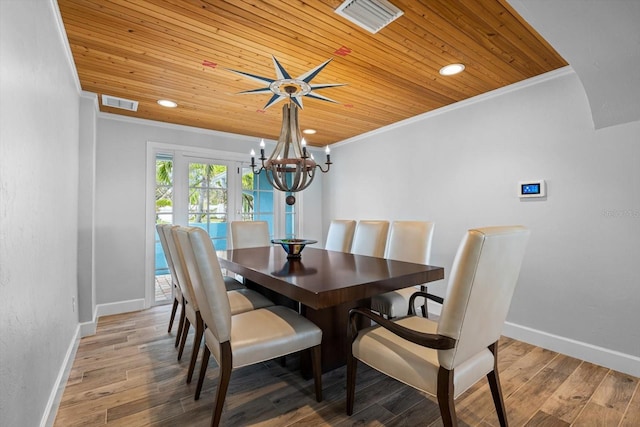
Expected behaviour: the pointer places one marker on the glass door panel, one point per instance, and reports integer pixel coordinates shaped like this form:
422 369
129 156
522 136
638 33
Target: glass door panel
290 221
208 204
163 286
257 198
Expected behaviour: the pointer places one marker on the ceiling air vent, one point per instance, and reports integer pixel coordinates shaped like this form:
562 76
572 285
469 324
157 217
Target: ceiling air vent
115 102
372 15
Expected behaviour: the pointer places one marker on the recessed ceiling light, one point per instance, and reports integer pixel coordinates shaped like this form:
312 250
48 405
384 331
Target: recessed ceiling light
167 103
309 131
451 69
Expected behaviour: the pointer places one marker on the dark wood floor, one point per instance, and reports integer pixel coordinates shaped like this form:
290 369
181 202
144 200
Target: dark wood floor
127 375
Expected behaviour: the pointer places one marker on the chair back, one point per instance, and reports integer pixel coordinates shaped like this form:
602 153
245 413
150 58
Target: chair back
482 281
167 255
249 234
410 241
184 280
208 284
340 235
370 238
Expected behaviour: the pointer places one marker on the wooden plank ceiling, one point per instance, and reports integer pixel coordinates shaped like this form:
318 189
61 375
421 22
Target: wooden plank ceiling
182 50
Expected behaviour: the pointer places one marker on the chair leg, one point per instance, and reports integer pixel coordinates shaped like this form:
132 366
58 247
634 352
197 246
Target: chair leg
352 365
180 324
196 346
316 366
174 308
203 370
183 339
226 365
496 390
445 398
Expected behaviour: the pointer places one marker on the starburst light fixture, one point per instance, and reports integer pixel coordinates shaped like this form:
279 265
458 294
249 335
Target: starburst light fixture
289 168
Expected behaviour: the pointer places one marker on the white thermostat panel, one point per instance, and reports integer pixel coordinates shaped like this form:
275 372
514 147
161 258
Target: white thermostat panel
533 188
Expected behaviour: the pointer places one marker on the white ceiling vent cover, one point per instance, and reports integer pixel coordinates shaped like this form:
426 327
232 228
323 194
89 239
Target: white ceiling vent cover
372 15
115 102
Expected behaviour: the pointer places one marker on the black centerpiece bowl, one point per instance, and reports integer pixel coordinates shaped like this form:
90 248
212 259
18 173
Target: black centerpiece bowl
293 247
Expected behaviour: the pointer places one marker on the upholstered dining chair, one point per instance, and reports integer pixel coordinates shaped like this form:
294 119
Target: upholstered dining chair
246 338
249 234
177 292
408 241
446 358
230 282
370 238
242 300
340 235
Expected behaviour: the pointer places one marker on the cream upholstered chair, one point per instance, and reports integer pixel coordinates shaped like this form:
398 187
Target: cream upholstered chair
408 241
370 238
189 314
242 300
177 292
446 358
249 234
246 338
340 235
230 282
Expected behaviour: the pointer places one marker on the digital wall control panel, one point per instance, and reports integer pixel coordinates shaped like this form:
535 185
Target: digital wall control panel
533 188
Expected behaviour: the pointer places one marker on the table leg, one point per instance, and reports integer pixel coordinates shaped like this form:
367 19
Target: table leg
333 322
335 341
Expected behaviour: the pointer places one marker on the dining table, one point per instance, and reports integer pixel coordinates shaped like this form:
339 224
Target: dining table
323 286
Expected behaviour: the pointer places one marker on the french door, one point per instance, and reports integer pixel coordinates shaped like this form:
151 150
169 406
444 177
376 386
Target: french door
207 190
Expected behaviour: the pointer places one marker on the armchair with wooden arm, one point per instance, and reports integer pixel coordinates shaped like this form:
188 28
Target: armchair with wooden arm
447 357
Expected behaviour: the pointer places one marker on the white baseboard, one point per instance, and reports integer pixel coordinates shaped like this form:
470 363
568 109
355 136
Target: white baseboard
89 328
621 362
119 307
611 359
434 308
51 409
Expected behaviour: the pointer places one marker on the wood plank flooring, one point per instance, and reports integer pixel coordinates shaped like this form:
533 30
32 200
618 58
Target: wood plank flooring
127 375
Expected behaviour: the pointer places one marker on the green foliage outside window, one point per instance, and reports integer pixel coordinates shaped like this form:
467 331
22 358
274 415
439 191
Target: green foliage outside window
164 187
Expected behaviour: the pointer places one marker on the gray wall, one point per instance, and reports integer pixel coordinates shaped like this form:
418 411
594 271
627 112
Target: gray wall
38 209
459 167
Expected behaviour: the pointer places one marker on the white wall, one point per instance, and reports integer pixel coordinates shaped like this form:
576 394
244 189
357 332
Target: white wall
460 166
121 194
38 210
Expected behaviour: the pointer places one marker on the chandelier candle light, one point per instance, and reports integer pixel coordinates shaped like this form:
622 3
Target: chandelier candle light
290 167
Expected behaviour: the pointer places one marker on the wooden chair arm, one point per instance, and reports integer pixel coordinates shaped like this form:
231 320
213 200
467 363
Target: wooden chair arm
432 297
423 294
435 341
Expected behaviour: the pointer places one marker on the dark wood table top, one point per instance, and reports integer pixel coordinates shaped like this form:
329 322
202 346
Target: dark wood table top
322 278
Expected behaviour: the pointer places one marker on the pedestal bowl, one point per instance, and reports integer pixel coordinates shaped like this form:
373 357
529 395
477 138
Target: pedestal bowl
293 247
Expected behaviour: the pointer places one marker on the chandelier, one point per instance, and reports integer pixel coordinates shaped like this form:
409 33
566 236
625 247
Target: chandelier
290 167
